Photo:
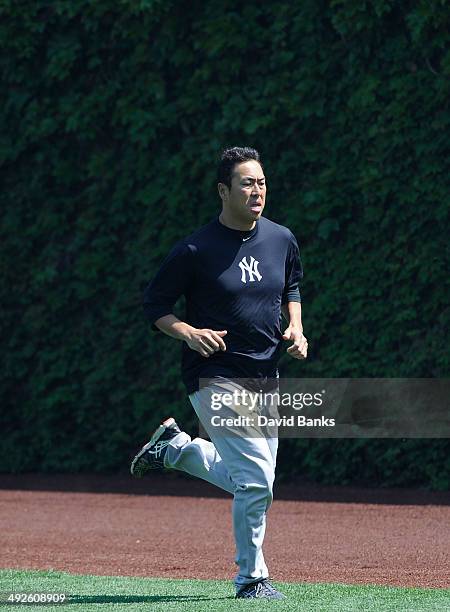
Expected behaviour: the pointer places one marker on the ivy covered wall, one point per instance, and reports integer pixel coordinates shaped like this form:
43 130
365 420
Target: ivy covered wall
113 118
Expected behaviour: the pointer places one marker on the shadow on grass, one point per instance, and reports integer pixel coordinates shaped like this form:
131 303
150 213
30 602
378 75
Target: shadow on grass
130 599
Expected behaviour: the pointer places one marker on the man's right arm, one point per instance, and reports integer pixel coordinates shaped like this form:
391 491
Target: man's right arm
175 278
204 341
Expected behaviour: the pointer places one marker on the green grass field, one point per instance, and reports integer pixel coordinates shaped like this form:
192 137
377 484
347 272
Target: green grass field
104 594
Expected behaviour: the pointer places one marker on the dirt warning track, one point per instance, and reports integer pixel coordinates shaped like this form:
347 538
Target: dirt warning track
176 535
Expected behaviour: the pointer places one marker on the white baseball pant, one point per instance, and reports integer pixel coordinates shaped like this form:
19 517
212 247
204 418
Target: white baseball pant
243 466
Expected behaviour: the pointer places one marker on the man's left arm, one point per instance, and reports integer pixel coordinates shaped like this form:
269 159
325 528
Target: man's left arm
291 301
292 312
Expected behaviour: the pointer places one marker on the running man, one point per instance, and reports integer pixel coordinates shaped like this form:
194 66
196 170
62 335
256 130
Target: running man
239 274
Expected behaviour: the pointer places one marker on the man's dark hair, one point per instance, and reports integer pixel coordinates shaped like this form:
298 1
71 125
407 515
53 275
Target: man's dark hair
231 157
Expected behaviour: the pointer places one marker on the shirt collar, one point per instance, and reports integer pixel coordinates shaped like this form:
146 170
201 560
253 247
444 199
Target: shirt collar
243 235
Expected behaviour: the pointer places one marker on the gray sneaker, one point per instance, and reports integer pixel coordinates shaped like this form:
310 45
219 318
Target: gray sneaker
262 589
151 456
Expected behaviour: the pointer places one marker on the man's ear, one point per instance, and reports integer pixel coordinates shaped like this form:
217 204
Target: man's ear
223 190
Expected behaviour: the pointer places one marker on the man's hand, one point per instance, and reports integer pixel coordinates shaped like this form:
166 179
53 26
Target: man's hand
205 341
299 349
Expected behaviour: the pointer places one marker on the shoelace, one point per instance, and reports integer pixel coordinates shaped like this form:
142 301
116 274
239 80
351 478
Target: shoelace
157 450
266 587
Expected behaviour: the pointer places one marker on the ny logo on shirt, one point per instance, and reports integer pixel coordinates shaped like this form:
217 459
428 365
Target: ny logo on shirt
250 268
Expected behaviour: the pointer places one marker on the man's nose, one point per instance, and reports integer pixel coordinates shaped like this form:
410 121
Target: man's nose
257 188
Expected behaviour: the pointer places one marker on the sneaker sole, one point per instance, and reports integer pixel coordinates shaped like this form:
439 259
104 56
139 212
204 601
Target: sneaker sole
153 440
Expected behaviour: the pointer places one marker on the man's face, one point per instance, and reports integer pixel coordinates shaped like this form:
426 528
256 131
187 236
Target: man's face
245 201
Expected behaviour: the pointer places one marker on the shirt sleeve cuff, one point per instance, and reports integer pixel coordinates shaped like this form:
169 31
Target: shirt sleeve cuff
292 295
154 315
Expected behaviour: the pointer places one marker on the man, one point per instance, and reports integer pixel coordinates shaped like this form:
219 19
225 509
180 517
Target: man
238 273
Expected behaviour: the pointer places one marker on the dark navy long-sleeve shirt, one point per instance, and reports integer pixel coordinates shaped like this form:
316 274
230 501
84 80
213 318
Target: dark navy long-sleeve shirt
236 281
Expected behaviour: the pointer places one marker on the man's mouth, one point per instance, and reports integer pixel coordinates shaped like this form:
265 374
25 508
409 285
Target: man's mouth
256 207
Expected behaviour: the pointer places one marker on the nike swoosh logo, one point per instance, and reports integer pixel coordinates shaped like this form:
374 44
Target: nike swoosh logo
245 239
